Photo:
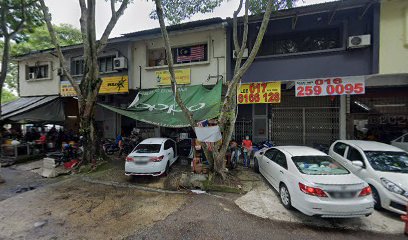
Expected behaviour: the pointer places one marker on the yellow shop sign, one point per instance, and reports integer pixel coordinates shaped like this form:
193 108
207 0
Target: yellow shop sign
110 85
183 76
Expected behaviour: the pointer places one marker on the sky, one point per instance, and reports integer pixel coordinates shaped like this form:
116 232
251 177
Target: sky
136 16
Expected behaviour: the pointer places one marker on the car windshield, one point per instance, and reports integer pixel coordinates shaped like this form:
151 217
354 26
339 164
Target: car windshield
388 161
318 165
147 148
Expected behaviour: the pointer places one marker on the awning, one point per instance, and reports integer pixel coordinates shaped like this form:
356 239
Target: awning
45 109
158 106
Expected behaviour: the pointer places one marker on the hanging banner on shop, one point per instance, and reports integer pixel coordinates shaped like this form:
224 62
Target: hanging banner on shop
330 86
158 107
259 92
110 85
182 76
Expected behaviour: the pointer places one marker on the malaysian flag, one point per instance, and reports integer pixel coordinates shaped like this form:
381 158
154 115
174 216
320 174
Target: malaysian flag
189 54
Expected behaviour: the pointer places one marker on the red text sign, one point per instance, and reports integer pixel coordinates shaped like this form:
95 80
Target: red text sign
330 86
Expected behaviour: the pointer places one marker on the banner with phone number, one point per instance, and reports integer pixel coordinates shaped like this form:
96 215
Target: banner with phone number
259 92
330 86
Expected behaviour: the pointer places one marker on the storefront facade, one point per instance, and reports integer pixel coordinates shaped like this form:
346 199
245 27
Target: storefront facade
309 43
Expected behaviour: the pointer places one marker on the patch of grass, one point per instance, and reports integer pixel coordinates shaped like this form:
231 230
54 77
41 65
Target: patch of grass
210 186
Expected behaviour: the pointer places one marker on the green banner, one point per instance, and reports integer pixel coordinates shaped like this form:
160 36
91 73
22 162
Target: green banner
158 106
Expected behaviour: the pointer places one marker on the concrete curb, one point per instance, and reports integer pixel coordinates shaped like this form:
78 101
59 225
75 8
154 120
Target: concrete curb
125 185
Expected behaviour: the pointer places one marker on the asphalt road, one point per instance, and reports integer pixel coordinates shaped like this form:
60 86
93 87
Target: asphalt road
207 217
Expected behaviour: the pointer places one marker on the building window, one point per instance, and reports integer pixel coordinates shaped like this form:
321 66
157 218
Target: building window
299 42
105 65
186 54
77 67
157 57
38 72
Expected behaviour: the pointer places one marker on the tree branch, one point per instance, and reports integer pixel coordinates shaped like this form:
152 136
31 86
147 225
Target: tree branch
244 39
232 86
187 113
53 35
235 26
114 18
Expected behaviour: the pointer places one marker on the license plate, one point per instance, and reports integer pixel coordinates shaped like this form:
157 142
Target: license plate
140 162
343 195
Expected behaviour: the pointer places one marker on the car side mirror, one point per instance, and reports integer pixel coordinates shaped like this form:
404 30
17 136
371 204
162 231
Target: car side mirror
261 153
359 164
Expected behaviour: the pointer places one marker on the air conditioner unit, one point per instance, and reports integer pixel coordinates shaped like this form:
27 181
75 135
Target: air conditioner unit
60 72
120 63
359 41
235 53
31 75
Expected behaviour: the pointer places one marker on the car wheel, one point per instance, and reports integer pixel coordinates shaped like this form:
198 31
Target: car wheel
377 199
256 165
167 170
285 196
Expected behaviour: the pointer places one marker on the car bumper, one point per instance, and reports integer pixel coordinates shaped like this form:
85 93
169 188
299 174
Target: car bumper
149 169
331 208
394 203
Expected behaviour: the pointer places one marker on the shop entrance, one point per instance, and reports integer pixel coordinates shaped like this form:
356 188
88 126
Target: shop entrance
305 121
304 126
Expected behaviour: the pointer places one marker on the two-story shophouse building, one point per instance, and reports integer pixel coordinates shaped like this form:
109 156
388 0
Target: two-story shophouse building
328 44
130 63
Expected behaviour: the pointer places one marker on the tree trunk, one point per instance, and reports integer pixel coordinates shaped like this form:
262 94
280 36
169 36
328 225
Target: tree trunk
88 132
4 66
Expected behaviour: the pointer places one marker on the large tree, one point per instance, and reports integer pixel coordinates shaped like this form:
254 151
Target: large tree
88 88
17 18
227 116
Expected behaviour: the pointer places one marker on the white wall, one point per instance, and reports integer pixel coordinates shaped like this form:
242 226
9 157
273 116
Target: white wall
49 86
200 71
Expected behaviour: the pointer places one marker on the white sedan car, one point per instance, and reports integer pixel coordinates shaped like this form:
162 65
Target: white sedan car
382 166
313 183
152 156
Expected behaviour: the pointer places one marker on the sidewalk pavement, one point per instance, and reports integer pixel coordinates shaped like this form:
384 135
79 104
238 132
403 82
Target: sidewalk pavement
264 202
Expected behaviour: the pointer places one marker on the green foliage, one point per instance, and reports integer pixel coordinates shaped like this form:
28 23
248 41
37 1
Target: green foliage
21 17
40 39
259 6
176 11
7 96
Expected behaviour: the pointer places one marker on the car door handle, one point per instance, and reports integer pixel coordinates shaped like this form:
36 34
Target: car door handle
267 162
281 171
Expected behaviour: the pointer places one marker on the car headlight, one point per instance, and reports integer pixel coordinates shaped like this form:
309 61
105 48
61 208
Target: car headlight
392 187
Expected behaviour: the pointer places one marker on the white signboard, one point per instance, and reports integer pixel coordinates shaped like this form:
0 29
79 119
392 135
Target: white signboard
330 86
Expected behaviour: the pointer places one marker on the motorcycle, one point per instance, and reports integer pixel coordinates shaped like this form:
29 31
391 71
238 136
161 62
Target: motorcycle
110 147
262 145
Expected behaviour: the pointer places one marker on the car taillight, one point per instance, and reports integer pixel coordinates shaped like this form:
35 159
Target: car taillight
312 191
129 159
156 159
365 192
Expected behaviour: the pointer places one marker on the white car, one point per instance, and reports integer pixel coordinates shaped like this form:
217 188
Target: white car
401 142
382 166
314 183
152 156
